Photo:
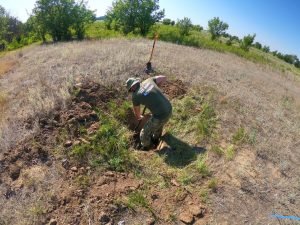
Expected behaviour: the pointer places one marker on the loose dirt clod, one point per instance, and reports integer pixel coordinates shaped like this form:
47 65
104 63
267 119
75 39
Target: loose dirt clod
15 172
96 94
186 217
174 88
52 222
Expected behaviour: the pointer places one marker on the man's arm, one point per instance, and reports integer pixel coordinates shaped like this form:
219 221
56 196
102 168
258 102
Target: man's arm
160 79
137 112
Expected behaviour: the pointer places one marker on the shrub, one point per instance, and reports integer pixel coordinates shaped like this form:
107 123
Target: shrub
185 25
166 33
216 27
197 28
257 45
266 49
167 21
247 42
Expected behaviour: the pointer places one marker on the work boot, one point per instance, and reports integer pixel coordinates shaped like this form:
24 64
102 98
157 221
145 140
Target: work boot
155 140
141 147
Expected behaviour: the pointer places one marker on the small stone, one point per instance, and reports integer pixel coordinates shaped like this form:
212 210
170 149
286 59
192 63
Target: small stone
88 168
122 222
109 174
78 214
195 210
154 196
52 222
74 169
175 183
78 85
77 142
14 172
113 208
103 218
186 217
49 163
84 141
85 105
93 128
150 221
200 222
68 143
65 163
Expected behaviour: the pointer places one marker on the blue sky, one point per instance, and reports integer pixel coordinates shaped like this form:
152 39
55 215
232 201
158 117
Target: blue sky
275 22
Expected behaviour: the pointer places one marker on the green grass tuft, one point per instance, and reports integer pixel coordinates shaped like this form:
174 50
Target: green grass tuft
206 121
202 167
109 145
119 111
193 116
230 152
136 200
213 184
240 136
217 150
204 195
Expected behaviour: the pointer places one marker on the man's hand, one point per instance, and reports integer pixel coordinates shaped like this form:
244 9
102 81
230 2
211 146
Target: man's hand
140 118
160 79
137 112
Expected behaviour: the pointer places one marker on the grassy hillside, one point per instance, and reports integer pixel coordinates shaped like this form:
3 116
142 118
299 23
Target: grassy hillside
200 39
229 153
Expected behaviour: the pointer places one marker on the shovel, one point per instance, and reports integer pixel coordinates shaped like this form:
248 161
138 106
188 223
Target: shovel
139 123
149 68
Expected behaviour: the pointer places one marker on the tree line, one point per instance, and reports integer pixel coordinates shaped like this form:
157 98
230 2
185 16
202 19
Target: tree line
64 20
60 19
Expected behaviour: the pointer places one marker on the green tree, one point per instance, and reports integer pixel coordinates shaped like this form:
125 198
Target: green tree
133 15
197 27
235 38
257 45
82 17
185 25
58 17
167 21
11 29
297 63
35 29
275 53
3 23
247 42
266 49
292 59
216 27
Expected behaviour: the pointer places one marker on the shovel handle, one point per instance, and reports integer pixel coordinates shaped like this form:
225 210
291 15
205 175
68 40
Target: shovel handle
155 38
140 120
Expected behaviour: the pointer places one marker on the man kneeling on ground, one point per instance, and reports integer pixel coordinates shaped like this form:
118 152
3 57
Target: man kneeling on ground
147 93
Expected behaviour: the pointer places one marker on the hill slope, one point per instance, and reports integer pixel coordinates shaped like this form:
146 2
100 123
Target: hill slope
231 151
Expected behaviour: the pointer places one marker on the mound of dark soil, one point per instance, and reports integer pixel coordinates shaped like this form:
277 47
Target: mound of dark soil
174 88
95 94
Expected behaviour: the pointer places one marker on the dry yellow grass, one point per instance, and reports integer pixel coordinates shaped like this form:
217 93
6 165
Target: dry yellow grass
257 97
6 66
